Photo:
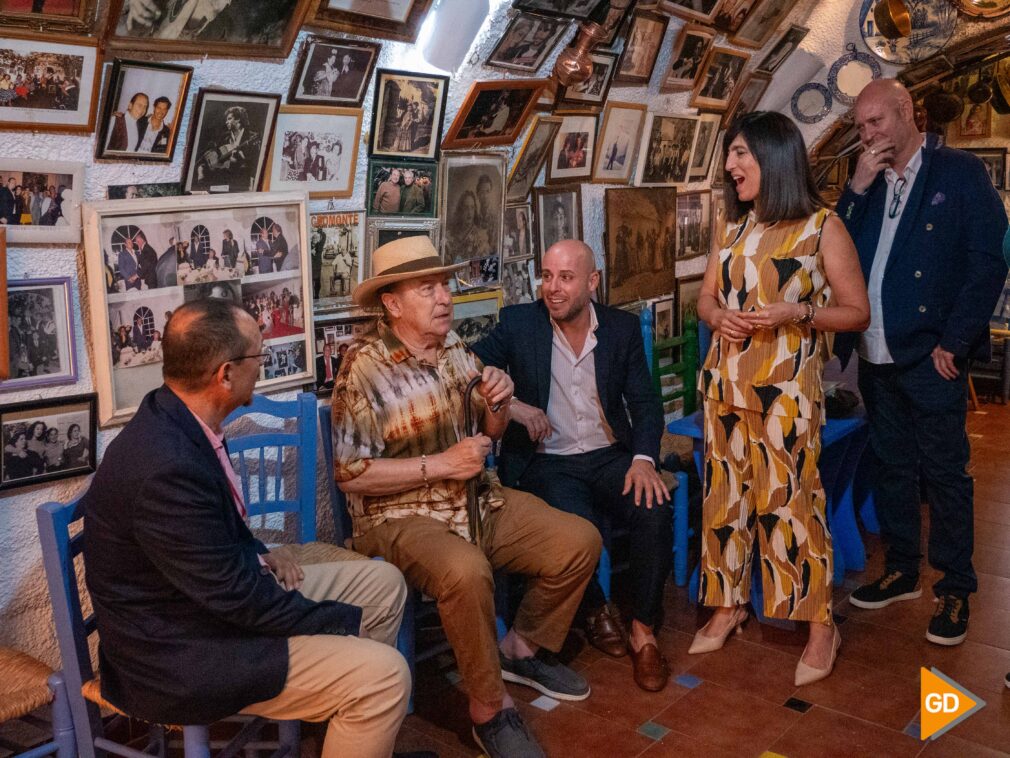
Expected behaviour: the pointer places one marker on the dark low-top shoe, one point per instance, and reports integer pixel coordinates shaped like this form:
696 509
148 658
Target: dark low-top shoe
544 673
949 625
507 736
890 588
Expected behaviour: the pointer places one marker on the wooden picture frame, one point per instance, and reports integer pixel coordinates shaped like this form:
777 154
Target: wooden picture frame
619 138
782 49
718 78
78 21
330 172
577 9
664 157
4 321
593 92
732 14
475 314
530 159
351 21
222 154
518 238
340 331
155 82
689 52
47 457
493 113
51 359
758 28
747 96
558 215
316 78
574 147
688 289
66 97
134 300
337 244
694 224
59 213
705 144
640 239
680 9
396 133
280 18
530 37
383 230
638 59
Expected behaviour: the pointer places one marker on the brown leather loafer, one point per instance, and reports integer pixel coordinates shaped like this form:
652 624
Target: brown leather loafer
651 669
605 632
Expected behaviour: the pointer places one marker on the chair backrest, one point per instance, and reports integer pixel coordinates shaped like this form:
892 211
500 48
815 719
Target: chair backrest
341 518
261 455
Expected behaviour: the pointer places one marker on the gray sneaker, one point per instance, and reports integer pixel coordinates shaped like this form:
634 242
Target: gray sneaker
507 736
544 673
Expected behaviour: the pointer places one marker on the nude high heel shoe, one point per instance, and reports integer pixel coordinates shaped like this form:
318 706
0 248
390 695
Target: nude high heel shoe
808 674
702 643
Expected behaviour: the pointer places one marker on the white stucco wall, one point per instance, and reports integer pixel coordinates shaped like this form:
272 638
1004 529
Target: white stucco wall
25 620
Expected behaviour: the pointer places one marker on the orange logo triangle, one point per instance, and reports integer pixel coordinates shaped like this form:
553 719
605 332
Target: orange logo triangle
944 702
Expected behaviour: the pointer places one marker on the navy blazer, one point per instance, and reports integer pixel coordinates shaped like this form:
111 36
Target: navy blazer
191 628
522 344
945 271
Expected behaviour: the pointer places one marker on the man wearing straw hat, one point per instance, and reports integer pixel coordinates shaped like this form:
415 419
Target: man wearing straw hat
403 457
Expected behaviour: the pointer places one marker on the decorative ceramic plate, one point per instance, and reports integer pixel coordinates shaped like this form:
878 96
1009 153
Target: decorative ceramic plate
933 24
983 8
850 73
811 103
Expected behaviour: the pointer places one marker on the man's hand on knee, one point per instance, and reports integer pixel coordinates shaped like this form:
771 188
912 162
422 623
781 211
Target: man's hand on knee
289 574
646 482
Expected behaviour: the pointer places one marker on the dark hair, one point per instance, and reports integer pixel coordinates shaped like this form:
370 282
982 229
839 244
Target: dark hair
787 190
139 94
484 179
164 100
240 114
200 336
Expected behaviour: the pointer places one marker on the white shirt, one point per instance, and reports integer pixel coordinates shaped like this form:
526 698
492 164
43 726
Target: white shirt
873 343
149 137
578 423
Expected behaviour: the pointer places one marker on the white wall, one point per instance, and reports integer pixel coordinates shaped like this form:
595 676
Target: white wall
25 620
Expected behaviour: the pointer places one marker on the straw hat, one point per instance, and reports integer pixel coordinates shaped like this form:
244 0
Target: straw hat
405 258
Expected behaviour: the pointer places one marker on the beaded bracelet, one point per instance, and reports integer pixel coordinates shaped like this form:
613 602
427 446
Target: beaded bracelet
424 469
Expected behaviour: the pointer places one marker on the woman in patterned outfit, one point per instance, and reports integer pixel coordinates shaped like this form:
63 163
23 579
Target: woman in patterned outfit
783 274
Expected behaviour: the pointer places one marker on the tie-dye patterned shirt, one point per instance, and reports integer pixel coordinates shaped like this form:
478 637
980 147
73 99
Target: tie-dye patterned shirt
389 404
778 371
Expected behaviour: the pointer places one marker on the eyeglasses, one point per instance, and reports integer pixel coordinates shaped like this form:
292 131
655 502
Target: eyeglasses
899 191
264 358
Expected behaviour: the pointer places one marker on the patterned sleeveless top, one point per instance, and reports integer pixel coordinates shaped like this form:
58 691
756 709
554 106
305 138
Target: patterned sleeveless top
775 372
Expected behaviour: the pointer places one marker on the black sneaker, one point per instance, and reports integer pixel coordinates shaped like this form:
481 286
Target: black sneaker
507 736
544 673
949 625
890 588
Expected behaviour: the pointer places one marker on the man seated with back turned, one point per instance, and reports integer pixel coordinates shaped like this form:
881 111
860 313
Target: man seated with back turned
402 455
580 373
197 619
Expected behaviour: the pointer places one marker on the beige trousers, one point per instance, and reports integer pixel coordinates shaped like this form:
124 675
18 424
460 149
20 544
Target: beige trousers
360 684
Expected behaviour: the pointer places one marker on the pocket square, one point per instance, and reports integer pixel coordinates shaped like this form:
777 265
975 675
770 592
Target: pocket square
938 198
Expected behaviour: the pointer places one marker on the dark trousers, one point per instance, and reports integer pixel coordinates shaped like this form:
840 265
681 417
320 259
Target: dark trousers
917 427
590 485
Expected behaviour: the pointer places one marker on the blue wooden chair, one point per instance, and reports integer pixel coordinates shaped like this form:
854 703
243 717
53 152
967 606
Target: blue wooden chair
59 550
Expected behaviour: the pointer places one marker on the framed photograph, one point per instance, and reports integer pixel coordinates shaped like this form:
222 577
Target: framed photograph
573 149
747 96
4 335
402 188
925 72
580 9
527 41
758 27
689 51
662 319
337 243
333 72
228 141
473 208
731 15
641 48
334 337
782 49
517 237
517 282
975 120
641 235
619 136
995 162
694 224
704 147
142 111
718 176
146 257
235 29
664 158
40 328
383 230
559 216
315 148
40 201
493 113
720 73
52 82
475 315
387 19
593 91
407 114
46 440
70 16
693 10
688 289
531 157
151 189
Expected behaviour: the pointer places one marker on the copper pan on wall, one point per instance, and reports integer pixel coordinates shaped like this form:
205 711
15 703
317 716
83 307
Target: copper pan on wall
892 19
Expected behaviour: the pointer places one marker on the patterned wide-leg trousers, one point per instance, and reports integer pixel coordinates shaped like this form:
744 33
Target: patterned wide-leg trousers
761 480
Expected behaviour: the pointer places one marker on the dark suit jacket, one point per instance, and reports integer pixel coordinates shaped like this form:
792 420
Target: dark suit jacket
147 261
160 144
945 271
191 628
521 344
7 203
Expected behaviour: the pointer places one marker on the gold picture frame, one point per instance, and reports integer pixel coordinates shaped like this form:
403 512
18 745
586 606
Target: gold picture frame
317 173
81 20
349 22
479 121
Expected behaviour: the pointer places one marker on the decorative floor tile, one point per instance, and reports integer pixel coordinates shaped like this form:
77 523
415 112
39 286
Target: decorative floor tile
686 680
912 730
545 703
802 706
653 731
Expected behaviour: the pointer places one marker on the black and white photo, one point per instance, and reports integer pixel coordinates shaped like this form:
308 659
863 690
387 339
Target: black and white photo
517 282
689 52
493 113
473 206
593 91
559 216
782 49
333 72
664 157
315 148
527 42
694 224
718 79
407 114
40 334
46 440
534 151
619 137
517 238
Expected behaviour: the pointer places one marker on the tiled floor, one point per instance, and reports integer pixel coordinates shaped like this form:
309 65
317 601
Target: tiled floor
741 701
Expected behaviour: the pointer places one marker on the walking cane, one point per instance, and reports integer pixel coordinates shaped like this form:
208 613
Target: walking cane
473 513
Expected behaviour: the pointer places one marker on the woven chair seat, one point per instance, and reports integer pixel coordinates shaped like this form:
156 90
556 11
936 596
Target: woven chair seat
92 691
23 686
321 552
